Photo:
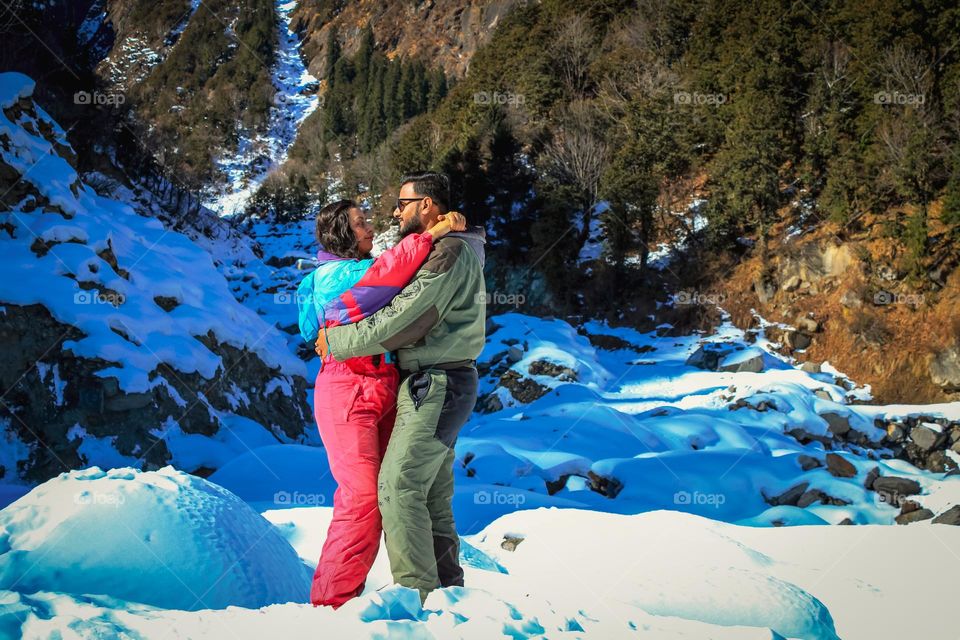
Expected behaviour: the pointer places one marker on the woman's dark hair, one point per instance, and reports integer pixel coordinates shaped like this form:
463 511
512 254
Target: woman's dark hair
334 232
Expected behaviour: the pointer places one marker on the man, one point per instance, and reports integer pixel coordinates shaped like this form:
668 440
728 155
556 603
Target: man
436 325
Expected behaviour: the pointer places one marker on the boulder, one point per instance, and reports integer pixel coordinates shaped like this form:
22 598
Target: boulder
895 433
894 485
510 543
790 496
808 462
810 367
707 356
872 476
944 369
839 425
925 436
914 516
749 360
950 516
840 467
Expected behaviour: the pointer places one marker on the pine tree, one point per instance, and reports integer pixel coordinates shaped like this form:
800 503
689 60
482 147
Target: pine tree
436 88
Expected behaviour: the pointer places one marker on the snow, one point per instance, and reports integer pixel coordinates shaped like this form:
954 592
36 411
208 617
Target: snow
666 432
693 219
574 573
174 541
257 156
116 312
684 545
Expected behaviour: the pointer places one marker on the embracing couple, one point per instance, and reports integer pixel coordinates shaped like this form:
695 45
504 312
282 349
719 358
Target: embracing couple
398 338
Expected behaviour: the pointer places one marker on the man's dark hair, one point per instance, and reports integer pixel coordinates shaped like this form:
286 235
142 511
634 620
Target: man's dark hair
334 232
429 183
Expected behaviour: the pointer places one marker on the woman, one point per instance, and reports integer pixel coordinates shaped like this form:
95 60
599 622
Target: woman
355 400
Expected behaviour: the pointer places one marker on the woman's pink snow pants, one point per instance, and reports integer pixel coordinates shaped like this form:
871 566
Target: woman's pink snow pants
355 405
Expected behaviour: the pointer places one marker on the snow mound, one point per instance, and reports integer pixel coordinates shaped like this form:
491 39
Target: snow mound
707 575
163 538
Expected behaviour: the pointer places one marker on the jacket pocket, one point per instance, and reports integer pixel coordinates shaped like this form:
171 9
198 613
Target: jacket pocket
419 387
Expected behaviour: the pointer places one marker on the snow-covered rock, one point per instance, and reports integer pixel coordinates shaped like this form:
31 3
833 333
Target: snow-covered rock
163 538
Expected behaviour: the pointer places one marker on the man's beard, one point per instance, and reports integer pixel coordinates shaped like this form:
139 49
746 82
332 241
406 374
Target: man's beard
413 225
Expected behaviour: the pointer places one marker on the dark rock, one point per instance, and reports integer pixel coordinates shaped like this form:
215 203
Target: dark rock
810 497
895 433
846 522
808 462
872 476
522 389
925 437
914 516
547 368
805 437
797 339
614 343
278 262
839 425
790 496
490 404
908 505
950 516
895 486
166 303
939 461
608 487
554 486
707 357
753 364
515 354
840 467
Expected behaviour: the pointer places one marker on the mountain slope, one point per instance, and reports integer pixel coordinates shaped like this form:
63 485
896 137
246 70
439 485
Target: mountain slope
124 336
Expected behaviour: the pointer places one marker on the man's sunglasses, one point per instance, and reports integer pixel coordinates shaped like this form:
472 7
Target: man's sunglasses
403 202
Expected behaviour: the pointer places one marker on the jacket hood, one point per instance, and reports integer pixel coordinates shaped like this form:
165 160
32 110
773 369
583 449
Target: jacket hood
325 256
476 237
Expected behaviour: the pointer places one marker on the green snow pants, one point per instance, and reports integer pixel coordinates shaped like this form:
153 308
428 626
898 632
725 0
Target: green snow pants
415 485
